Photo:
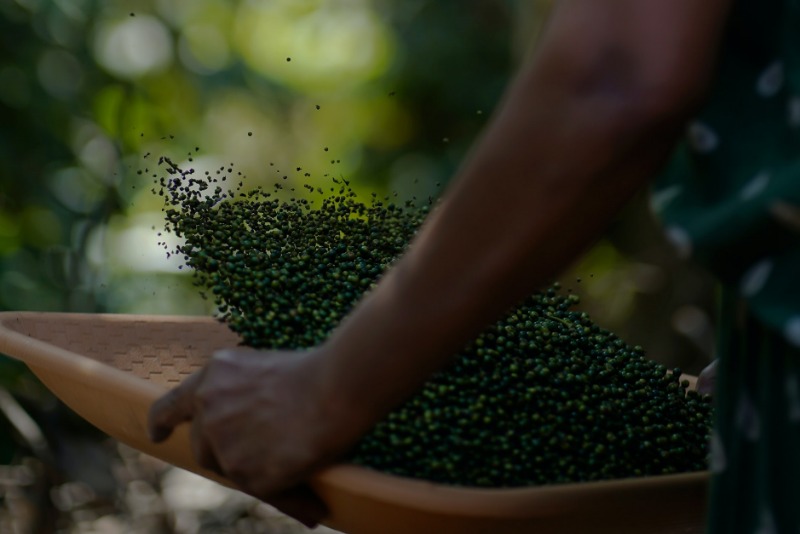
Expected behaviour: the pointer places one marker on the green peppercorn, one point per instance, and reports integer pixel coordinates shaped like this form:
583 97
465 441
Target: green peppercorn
541 396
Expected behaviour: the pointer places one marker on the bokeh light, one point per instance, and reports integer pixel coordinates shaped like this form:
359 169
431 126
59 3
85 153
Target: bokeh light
316 46
134 47
389 95
60 73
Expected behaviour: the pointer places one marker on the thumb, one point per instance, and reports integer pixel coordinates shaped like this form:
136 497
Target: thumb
173 408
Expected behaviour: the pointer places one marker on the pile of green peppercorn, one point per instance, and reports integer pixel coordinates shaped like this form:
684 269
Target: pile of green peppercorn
542 396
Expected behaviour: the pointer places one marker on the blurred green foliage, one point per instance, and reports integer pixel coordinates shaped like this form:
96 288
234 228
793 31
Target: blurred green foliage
388 94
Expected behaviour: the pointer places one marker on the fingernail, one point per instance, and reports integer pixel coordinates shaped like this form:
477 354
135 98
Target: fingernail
224 354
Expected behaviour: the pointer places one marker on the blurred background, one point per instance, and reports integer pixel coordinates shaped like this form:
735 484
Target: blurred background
390 95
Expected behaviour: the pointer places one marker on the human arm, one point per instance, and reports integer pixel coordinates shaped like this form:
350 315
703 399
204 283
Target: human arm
582 127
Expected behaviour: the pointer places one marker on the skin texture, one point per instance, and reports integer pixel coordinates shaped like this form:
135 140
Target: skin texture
585 123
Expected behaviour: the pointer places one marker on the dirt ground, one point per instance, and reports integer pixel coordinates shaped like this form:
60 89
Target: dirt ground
113 489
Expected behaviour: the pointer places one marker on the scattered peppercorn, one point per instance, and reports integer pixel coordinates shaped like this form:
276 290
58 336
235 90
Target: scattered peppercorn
542 396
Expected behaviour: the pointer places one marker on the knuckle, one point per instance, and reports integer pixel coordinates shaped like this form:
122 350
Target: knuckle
203 460
163 405
237 474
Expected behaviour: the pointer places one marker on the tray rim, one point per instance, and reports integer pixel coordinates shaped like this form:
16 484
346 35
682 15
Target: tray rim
353 479
35 352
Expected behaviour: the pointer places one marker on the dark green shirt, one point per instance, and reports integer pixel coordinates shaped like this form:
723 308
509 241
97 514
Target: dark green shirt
730 200
731 197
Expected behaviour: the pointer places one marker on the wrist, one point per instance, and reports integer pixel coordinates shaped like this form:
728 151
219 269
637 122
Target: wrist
344 415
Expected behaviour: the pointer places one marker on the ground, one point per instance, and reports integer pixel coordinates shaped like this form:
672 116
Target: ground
113 489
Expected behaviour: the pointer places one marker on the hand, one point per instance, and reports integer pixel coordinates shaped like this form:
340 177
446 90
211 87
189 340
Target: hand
264 421
707 380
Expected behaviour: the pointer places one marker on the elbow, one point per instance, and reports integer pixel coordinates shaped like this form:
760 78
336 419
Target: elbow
658 106
636 95
662 104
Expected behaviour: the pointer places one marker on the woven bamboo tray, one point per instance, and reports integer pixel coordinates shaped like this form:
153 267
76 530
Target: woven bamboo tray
110 368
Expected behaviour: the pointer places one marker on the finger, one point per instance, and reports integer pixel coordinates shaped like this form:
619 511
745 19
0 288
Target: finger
706 382
173 408
302 504
201 448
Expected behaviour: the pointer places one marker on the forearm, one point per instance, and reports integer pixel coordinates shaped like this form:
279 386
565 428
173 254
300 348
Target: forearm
563 155
513 220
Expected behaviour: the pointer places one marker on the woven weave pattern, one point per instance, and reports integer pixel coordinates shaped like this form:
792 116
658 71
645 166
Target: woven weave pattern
164 352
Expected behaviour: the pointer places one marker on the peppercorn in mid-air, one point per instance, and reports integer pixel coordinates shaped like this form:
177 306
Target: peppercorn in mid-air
542 396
